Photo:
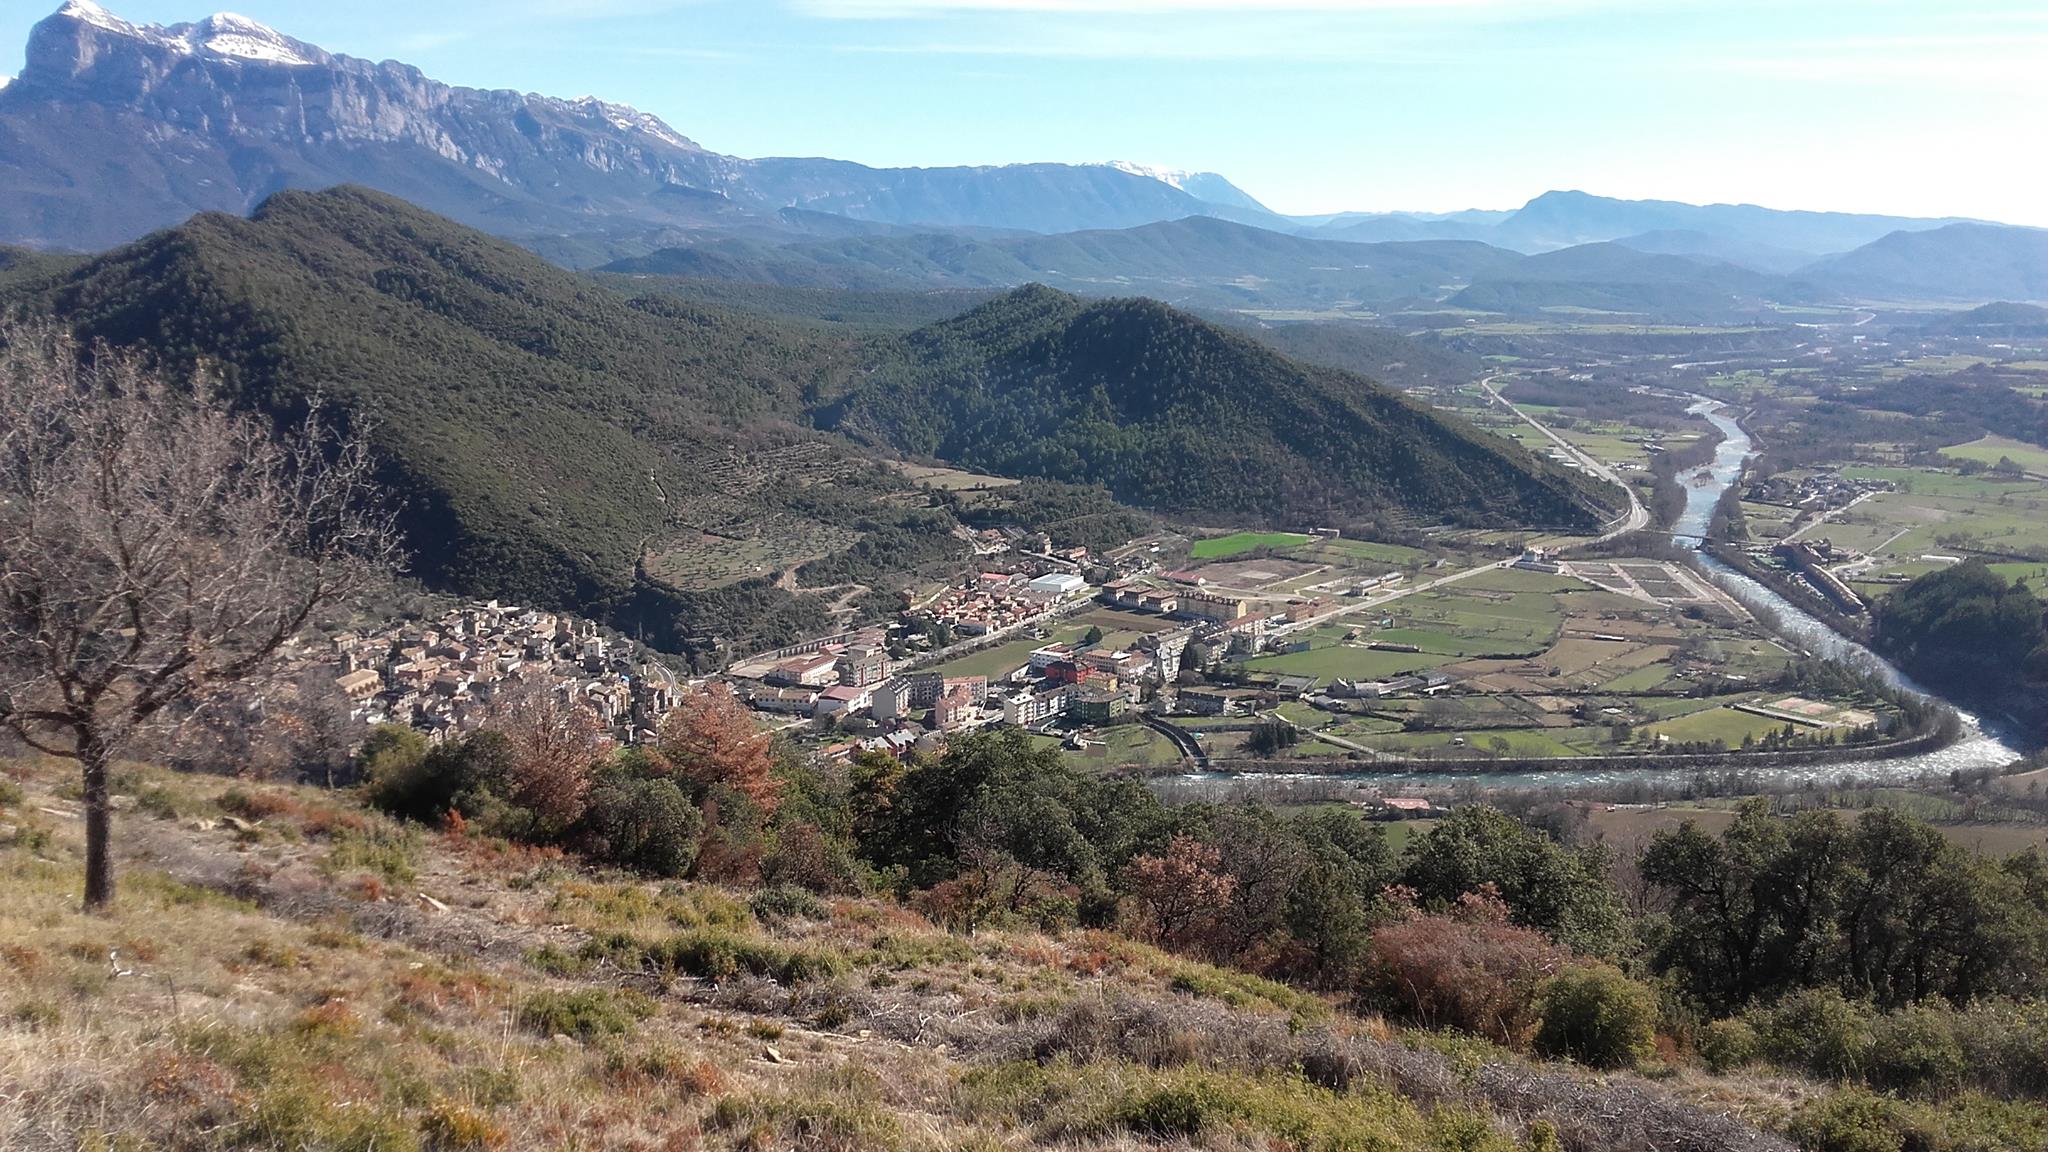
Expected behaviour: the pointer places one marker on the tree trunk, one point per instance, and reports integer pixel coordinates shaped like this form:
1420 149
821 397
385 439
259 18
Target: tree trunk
99 819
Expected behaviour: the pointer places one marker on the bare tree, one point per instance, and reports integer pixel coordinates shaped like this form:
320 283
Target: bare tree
156 552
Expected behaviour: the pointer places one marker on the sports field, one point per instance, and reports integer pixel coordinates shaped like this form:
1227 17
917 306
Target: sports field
1239 543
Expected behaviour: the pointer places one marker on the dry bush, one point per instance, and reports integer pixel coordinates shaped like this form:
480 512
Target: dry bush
1472 971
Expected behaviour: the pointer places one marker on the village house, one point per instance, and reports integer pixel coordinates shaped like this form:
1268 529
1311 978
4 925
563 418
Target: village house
1220 701
844 700
1030 708
954 709
1092 705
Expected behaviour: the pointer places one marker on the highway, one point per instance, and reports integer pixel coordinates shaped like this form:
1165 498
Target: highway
1637 518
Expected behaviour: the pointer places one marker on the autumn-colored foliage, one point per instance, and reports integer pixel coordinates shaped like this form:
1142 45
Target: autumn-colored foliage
1174 898
554 743
713 741
1469 969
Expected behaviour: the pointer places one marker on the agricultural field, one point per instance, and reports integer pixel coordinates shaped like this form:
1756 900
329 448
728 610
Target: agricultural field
1992 449
993 662
1121 745
951 479
1945 514
1239 543
1542 666
1724 726
772 544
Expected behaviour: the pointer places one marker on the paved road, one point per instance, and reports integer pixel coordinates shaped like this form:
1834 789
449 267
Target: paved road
1635 519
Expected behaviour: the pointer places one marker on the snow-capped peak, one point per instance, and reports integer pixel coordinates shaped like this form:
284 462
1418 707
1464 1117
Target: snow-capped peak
222 34
227 34
5 81
627 118
88 12
1174 176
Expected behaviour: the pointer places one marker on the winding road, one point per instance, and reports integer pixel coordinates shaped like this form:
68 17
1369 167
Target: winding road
1635 519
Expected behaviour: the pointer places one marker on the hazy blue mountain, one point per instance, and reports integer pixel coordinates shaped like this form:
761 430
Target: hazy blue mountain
1707 246
1615 278
1197 260
1997 318
1958 262
1563 219
1761 238
1210 188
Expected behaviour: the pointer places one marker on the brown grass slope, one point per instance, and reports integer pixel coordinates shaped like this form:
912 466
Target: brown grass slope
286 971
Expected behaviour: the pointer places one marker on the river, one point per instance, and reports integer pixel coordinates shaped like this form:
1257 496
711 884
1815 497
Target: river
1980 746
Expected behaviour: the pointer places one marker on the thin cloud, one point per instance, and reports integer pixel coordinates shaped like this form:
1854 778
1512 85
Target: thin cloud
897 9
1956 61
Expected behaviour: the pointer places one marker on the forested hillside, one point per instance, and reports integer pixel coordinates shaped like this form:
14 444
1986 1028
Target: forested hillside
1966 629
544 430
1174 413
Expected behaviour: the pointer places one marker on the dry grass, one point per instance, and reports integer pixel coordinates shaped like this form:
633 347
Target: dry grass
267 981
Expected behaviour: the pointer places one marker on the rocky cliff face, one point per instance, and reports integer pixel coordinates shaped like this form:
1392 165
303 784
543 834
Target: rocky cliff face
115 128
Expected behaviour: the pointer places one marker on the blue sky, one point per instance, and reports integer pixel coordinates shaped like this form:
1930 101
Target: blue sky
1927 108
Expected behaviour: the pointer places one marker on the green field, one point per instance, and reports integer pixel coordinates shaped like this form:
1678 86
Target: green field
1941 513
1991 449
1239 543
1641 680
1723 724
1519 743
993 662
1126 744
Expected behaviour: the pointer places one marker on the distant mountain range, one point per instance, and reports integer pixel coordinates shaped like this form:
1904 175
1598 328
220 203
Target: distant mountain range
1194 261
1564 219
1958 262
115 129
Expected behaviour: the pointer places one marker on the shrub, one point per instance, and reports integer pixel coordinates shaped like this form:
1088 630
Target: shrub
586 1014
1596 1016
717 955
645 825
253 805
787 902
1479 977
451 1127
393 761
390 851
1916 1050
2007 1048
155 800
1816 1031
807 1120
1727 1045
1851 1121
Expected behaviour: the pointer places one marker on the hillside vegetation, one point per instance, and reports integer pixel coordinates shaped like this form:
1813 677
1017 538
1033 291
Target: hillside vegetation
1173 413
655 460
980 950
